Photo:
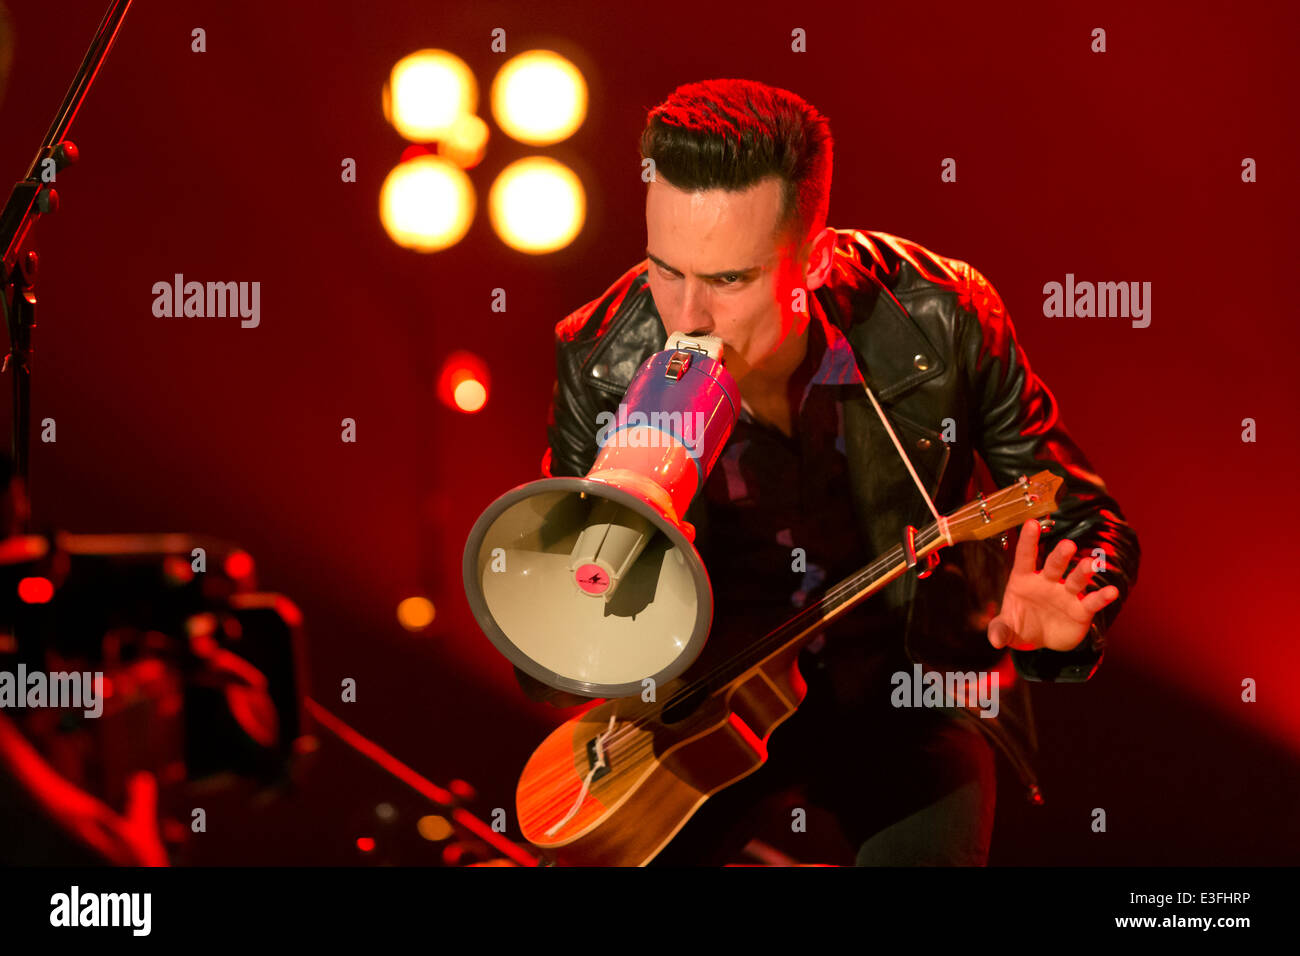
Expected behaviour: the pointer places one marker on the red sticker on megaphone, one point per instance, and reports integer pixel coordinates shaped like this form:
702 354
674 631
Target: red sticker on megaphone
592 579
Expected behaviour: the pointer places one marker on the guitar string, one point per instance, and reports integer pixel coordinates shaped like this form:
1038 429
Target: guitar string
829 603
851 585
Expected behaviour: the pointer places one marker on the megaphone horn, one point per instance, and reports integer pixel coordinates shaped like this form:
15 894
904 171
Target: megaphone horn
592 585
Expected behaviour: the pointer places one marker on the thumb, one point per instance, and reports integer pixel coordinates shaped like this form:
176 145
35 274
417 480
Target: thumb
1000 633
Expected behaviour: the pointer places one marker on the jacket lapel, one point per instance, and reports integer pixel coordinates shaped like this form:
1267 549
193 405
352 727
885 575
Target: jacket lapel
895 357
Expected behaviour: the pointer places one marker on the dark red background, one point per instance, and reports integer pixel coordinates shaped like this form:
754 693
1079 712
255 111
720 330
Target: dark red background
1125 166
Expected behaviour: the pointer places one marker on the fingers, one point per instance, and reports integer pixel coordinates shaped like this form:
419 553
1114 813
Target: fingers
1078 578
999 633
1027 548
141 820
1094 602
141 798
1056 563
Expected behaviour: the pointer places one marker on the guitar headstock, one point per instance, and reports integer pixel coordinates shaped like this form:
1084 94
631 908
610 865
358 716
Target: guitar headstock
1008 508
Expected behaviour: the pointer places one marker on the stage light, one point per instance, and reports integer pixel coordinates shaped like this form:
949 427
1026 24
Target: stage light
466 141
177 570
427 92
539 98
434 828
426 204
415 613
239 564
537 205
463 383
470 395
35 590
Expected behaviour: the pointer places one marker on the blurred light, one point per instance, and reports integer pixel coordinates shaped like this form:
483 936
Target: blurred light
35 590
466 141
539 98
385 811
239 564
463 383
426 204
427 92
414 151
470 395
537 205
434 828
415 613
177 570
452 853
462 789
365 844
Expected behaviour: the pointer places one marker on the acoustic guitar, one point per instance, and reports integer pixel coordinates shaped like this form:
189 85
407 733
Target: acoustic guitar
613 785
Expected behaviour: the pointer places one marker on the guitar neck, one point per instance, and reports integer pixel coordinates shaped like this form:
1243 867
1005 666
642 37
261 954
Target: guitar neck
834 604
1004 509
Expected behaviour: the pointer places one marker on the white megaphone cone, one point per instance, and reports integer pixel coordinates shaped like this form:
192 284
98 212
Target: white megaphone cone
592 585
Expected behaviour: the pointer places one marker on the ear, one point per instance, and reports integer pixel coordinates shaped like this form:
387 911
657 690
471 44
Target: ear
821 258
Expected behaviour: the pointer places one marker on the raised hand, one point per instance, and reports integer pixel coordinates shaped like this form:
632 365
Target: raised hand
1040 609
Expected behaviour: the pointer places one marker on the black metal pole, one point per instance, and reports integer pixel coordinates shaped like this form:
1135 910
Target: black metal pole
31 197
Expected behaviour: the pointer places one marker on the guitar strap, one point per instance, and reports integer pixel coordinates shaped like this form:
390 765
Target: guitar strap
940 520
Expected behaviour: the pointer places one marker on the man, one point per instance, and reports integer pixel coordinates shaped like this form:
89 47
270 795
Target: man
811 485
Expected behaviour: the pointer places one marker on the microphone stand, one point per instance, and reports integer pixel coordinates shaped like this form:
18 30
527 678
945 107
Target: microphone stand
31 198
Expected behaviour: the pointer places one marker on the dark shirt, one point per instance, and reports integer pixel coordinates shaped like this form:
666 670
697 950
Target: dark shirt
769 494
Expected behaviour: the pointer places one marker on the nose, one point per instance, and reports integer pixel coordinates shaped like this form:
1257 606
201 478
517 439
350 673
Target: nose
695 318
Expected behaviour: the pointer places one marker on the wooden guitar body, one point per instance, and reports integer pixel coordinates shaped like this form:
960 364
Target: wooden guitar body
658 771
612 786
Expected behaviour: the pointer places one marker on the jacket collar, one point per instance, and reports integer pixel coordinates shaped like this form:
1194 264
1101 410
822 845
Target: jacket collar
892 353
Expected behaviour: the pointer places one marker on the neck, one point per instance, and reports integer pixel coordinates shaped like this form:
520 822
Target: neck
774 373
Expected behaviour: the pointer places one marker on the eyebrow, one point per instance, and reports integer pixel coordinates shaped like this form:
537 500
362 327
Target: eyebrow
749 271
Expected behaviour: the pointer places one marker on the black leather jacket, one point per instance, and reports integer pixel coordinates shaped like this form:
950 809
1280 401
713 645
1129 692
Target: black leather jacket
934 341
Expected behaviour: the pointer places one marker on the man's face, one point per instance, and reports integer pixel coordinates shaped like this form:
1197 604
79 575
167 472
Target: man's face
717 268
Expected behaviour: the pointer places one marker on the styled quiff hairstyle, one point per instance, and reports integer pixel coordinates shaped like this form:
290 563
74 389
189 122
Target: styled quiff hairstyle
732 134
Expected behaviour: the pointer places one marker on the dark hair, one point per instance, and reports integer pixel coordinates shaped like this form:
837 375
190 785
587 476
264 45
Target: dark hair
732 134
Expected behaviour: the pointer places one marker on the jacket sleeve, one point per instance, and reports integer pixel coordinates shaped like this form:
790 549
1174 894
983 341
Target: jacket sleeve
571 451
1017 429
571 425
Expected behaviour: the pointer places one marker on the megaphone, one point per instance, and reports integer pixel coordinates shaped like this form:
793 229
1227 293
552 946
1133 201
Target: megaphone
592 585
